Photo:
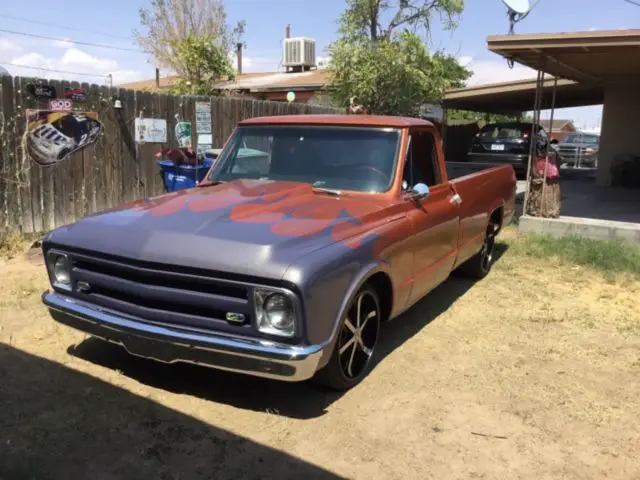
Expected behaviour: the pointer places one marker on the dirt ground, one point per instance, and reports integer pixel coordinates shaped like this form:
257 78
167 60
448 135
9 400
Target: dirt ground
532 373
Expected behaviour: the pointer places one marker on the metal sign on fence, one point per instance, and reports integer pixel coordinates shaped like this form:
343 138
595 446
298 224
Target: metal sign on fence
203 117
41 91
60 105
53 136
151 130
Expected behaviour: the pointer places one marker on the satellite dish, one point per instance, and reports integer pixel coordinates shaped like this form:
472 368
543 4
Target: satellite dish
517 10
521 7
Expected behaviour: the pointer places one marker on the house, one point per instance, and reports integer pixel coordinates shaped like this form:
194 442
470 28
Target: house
308 87
300 75
560 130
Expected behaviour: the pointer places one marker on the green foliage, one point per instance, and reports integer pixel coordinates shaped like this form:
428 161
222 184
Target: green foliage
390 71
204 64
481 117
609 257
362 18
165 22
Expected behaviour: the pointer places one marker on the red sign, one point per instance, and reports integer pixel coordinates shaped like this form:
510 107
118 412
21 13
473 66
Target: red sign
75 94
61 105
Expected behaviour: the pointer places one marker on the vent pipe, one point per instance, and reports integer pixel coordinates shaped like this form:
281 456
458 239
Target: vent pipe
239 57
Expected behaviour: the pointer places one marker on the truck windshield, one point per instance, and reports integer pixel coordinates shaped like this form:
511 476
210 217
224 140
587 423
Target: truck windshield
330 157
581 138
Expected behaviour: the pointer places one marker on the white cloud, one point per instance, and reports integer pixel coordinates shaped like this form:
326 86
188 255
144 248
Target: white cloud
74 58
7 46
495 71
63 43
254 64
70 65
322 62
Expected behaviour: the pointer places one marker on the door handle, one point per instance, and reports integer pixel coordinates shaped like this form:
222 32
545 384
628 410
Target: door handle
455 198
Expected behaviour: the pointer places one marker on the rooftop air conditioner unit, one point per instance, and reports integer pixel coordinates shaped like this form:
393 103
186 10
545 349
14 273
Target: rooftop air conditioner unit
299 52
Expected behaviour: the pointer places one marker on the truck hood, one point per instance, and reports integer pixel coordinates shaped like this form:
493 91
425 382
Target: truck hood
254 227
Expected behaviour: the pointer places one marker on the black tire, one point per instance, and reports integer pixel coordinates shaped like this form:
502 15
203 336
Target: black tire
353 352
480 264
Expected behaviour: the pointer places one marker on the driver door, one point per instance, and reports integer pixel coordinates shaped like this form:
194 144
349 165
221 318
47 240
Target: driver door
434 218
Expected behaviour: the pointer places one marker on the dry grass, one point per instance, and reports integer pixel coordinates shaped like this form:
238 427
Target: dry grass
531 373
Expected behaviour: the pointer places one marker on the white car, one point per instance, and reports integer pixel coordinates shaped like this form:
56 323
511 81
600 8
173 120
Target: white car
50 143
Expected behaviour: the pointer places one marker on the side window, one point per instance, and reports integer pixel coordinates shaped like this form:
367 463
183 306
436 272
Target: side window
421 165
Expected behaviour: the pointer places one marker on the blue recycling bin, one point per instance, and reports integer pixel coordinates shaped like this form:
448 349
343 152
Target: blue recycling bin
178 177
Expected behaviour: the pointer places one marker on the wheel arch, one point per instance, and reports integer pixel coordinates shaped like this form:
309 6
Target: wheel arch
376 275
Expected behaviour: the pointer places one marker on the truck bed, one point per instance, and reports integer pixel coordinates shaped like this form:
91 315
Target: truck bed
460 169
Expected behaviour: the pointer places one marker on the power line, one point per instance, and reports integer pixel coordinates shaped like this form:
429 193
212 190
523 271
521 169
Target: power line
84 74
88 44
63 27
633 2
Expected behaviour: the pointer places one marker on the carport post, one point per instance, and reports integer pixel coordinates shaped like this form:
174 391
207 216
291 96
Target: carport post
536 119
546 150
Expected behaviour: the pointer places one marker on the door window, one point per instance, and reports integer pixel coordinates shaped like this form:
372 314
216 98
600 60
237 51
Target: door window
421 165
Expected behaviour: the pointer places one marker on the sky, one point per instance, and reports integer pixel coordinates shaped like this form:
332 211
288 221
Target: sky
112 23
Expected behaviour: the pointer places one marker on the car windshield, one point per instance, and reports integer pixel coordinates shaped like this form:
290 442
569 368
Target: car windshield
490 133
582 138
330 157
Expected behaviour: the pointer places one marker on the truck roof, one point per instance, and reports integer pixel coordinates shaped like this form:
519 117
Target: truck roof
332 119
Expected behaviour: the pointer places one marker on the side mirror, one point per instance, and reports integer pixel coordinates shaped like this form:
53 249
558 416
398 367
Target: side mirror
418 192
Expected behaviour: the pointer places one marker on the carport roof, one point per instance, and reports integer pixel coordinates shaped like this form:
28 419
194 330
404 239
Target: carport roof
519 96
594 57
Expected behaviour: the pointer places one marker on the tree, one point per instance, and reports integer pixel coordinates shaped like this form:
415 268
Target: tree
482 117
204 63
178 29
387 66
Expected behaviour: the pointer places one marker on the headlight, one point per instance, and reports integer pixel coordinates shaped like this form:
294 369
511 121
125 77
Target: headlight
589 150
275 312
59 270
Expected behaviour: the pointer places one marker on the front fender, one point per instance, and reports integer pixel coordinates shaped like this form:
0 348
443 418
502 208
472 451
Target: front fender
355 284
328 279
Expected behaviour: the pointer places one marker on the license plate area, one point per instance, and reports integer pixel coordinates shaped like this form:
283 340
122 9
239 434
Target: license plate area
147 348
497 147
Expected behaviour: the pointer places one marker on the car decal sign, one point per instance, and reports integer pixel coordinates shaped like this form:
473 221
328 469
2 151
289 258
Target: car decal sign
53 136
76 94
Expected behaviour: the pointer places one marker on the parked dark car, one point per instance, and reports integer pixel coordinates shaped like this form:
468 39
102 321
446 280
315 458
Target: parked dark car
579 150
505 142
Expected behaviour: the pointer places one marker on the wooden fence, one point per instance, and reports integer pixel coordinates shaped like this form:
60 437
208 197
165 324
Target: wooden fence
110 172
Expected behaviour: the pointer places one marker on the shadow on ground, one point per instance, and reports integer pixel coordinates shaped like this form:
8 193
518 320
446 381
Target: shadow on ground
295 400
57 423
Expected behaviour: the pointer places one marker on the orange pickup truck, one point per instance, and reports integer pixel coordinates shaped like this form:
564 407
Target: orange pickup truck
307 233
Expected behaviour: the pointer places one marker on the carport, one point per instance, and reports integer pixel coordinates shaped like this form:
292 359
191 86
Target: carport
513 98
605 60
600 67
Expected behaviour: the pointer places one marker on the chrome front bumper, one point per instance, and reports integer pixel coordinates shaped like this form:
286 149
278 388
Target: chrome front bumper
253 357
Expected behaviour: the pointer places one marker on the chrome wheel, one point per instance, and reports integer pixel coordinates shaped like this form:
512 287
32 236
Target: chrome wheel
359 335
486 253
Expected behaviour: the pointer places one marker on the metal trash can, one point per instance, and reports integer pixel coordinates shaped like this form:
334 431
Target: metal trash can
178 177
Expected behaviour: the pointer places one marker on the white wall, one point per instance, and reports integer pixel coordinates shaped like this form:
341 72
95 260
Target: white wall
620 132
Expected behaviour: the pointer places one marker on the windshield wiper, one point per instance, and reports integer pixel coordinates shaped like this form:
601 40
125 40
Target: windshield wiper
211 184
332 191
